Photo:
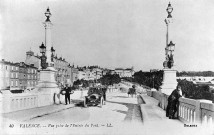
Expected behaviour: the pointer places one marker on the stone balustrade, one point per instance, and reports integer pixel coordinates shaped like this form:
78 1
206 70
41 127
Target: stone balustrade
207 115
189 110
22 101
16 102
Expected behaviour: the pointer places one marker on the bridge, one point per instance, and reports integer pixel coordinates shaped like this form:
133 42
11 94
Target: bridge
143 114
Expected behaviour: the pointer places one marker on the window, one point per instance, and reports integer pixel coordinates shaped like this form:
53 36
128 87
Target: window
16 83
11 83
6 67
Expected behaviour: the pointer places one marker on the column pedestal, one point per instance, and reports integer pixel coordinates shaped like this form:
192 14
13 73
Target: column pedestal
169 81
48 91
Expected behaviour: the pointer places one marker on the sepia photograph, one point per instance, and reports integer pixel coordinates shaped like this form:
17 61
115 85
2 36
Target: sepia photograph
106 67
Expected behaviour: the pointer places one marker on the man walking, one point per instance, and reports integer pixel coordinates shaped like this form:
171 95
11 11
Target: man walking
67 94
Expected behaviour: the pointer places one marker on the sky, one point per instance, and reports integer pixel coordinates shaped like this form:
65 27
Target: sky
111 33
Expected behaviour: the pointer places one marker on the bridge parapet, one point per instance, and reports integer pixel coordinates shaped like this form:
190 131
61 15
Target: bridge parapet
22 101
189 111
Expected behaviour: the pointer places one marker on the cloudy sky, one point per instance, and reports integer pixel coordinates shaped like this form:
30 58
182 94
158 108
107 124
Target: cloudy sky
111 33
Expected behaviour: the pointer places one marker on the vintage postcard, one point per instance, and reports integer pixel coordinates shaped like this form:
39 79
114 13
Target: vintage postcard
106 67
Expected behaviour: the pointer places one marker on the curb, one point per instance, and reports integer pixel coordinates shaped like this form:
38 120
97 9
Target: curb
49 112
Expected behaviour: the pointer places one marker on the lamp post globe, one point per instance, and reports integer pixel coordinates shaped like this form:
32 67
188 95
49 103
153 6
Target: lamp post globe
169 10
48 14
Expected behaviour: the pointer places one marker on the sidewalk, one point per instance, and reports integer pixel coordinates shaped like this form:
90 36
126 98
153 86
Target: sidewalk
28 114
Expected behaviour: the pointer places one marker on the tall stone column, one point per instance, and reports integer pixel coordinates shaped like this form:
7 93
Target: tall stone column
47 87
169 78
48 42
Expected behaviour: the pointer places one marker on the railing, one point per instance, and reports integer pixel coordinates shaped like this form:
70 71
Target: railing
207 114
15 102
189 110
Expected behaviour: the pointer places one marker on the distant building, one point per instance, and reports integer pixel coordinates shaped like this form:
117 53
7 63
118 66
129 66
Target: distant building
128 72
63 74
196 78
17 75
74 74
28 76
5 74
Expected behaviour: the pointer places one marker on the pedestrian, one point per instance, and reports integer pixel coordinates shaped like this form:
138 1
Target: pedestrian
173 101
67 94
104 89
132 91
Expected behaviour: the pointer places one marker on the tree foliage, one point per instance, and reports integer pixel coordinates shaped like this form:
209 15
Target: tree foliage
194 73
191 90
150 79
109 79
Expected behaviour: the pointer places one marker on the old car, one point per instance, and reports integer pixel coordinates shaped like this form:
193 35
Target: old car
96 96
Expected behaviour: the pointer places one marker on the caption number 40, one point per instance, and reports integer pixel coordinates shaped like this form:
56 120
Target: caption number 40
11 125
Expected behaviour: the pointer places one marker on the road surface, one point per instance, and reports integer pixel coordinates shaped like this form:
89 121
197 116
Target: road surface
120 115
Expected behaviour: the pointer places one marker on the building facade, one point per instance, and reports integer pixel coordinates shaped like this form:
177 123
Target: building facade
128 72
16 76
64 72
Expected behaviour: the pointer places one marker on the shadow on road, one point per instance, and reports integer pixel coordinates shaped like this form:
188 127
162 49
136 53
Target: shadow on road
128 113
120 96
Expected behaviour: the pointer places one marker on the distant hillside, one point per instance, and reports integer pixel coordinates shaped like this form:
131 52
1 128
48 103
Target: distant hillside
195 73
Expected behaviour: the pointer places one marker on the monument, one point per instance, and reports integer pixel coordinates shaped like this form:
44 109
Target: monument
169 78
47 87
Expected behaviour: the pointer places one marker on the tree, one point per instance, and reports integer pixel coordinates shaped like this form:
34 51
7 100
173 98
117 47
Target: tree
109 79
193 91
149 79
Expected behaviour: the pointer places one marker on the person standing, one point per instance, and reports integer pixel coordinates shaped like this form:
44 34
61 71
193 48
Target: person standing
173 101
67 94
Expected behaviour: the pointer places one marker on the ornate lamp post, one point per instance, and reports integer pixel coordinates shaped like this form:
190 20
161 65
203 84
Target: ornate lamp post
48 43
169 77
168 21
47 86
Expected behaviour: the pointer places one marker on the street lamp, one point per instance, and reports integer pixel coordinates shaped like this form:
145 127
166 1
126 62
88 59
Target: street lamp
48 14
169 10
171 47
42 49
43 57
52 53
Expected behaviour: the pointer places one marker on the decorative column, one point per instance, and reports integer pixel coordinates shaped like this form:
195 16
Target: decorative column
169 78
48 43
47 87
